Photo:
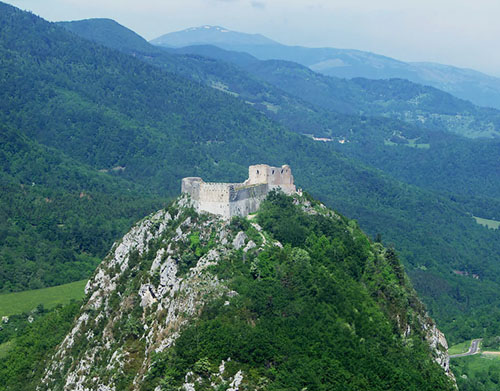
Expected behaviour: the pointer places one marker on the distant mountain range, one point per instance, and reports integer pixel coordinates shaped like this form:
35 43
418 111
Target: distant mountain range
371 115
479 88
431 159
148 118
297 96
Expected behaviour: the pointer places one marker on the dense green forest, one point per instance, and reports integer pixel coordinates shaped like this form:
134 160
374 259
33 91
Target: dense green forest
22 366
58 217
327 309
323 106
292 323
145 128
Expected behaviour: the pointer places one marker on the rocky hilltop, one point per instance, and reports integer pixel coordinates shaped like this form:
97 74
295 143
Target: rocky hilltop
294 297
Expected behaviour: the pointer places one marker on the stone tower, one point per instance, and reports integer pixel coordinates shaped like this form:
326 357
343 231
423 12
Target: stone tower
239 199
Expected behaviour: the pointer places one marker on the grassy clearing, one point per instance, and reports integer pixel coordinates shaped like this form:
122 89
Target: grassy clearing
4 348
491 353
19 302
477 372
492 224
412 143
462 347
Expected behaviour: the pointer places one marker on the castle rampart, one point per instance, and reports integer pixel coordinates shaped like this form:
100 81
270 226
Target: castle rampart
238 199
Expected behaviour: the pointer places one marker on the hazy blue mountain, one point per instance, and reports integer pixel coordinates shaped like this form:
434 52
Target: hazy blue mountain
100 29
394 98
327 106
467 84
211 35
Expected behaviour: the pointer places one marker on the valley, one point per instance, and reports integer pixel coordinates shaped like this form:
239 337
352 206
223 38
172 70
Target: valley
461 170
97 129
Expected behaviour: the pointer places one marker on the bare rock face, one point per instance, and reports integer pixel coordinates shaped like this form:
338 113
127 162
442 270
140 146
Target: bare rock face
139 294
439 345
239 240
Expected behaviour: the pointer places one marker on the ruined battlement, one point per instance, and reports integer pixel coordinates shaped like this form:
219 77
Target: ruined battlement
238 199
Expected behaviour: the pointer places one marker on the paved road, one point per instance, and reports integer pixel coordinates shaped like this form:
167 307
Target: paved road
474 348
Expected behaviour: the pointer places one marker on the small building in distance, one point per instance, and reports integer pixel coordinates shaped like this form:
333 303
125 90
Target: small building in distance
239 199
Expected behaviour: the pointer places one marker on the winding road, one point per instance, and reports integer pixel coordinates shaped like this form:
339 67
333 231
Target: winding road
474 348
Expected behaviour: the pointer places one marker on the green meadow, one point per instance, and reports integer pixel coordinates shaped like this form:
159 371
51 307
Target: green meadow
4 348
493 224
478 372
459 348
19 302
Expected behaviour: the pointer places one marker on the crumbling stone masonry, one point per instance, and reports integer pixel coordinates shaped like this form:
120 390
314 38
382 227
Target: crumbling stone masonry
239 199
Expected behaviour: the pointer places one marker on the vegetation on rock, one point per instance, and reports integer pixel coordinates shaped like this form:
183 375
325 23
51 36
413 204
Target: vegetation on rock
180 301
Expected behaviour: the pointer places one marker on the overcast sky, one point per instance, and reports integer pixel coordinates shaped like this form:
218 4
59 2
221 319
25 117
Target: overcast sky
464 33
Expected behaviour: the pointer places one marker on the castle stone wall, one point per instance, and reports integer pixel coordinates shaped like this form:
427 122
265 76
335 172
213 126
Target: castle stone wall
274 176
238 199
247 200
191 186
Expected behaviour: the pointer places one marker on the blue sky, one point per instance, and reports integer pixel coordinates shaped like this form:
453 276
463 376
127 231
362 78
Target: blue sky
462 33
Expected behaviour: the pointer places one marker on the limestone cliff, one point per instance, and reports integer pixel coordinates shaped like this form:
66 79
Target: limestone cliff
177 265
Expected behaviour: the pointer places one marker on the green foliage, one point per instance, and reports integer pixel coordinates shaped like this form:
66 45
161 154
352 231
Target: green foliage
58 216
79 108
202 366
22 367
491 343
477 373
311 315
133 327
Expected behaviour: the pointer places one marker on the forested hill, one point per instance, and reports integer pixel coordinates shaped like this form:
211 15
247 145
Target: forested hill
58 216
392 98
323 106
298 298
448 163
347 63
114 113
284 89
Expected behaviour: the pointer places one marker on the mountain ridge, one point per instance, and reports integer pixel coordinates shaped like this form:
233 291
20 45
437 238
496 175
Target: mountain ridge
213 33
478 87
296 88
162 127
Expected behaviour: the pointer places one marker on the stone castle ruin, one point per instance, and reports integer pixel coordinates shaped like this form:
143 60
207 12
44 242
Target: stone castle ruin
239 199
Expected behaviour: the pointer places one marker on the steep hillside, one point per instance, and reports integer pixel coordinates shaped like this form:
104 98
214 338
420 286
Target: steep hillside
298 97
188 300
58 217
440 162
483 90
108 110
